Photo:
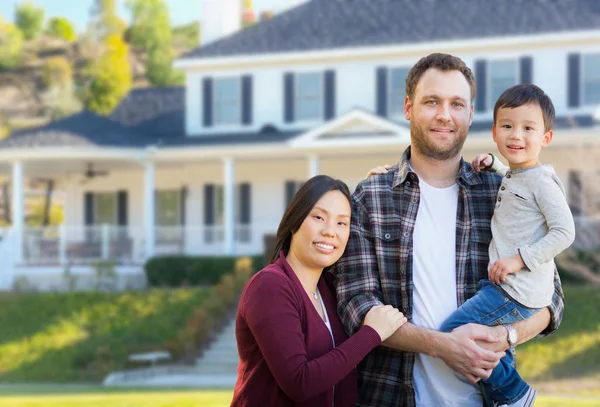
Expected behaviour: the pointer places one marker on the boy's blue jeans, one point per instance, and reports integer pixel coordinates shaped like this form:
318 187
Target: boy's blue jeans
490 306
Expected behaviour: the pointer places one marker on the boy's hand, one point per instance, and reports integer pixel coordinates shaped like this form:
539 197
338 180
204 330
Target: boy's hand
481 162
382 169
503 267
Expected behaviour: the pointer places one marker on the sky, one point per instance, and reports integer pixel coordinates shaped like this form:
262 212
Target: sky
181 11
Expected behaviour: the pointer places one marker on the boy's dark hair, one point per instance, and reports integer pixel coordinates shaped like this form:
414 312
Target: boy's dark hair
520 95
442 62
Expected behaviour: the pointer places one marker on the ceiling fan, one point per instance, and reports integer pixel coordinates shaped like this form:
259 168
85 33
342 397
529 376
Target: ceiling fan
91 173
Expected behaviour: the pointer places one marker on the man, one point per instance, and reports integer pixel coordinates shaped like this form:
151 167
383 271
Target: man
419 241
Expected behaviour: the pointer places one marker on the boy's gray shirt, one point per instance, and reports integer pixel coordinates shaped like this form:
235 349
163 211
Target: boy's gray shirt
532 218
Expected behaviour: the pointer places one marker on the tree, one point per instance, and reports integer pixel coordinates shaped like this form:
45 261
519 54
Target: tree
112 77
60 27
29 19
11 45
104 20
59 99
151 31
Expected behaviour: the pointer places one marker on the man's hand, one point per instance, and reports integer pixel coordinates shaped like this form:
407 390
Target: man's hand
481 162
463 355
503 267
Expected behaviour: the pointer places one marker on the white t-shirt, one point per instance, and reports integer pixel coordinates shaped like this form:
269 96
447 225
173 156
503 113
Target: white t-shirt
434 296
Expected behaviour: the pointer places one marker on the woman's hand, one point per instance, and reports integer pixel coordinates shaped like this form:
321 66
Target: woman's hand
382 169
385 319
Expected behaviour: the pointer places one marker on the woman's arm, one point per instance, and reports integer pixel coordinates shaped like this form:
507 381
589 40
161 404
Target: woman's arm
272 313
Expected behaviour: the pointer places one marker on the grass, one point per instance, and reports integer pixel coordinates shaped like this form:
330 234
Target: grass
80 337
573 352
90 396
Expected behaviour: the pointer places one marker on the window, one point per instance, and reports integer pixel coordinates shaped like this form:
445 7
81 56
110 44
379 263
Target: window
309 96
503 75
105 208
168 208
227 101
397 93
591 79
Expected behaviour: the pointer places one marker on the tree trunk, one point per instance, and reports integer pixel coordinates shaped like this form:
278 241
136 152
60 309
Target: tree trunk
48 203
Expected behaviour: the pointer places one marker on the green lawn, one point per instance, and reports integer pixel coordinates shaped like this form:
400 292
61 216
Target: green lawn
31 396
81 337
574 351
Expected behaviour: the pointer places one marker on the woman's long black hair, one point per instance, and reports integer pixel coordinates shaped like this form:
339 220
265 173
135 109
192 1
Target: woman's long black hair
302 203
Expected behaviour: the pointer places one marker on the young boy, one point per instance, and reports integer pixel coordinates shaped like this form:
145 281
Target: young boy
532 223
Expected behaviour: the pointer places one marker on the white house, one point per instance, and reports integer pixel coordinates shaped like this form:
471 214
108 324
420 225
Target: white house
209 168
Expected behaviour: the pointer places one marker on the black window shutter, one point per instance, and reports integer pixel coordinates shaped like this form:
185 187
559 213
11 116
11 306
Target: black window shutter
247 99
574 66
88 208
182 203
288 97
245 201
290 190
526 70
207 102
382 91
481 80
209 204
329 94
122 208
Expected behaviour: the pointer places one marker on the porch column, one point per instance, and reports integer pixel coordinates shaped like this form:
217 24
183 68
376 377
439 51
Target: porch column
149 208
17 210
313 166
229 203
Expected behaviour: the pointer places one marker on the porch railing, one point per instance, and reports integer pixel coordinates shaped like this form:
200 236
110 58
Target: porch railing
127 245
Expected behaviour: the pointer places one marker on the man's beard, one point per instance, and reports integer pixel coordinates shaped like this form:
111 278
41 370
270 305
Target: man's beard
421 141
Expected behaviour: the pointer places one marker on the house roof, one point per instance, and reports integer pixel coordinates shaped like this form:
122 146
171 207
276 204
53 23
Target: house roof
145 117
328 24
83 129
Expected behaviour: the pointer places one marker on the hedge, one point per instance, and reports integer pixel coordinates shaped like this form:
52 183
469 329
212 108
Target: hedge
182 270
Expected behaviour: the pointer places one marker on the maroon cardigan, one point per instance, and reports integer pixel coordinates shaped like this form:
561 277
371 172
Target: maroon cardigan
286 354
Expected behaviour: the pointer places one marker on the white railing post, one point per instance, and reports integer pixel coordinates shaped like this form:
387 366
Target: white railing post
105 241
62 245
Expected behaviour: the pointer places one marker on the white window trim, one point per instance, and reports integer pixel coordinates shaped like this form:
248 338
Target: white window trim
116 220
238 121
321 116
389 95
582 82
491 103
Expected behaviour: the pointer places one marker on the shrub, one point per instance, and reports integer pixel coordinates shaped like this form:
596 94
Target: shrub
179 270
60 27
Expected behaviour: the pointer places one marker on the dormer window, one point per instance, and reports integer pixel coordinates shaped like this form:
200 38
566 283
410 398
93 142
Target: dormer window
309 96
503 75
397 91
227 101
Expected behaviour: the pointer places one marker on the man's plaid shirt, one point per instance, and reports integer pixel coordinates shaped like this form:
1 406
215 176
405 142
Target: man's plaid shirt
377 266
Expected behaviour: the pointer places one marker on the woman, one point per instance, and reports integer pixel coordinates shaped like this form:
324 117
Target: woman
292 346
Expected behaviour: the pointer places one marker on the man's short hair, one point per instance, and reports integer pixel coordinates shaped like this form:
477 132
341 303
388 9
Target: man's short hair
442 62
520 95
